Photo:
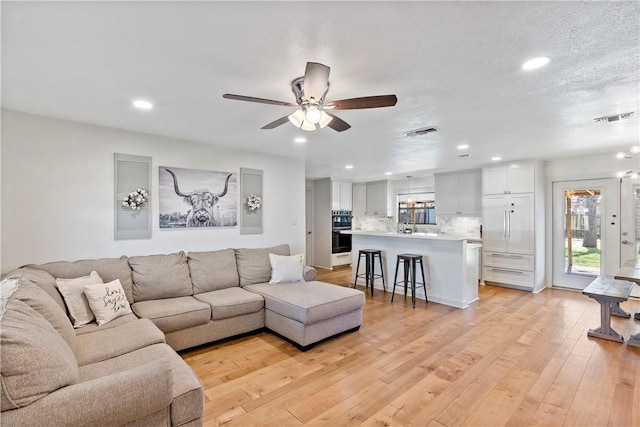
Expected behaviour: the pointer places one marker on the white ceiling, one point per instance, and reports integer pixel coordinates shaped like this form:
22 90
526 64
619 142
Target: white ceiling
453 65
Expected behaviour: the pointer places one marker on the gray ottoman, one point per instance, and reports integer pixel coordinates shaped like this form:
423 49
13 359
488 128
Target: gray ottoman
306 313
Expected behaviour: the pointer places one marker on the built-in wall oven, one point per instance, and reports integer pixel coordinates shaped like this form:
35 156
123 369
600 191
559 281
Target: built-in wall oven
341 220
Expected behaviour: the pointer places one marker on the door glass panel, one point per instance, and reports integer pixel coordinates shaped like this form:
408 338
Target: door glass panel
637 217
582 232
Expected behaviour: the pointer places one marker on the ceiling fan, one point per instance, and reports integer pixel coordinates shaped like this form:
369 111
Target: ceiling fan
310 91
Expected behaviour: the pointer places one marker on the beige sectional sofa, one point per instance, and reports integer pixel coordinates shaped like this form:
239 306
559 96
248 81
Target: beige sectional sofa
126 372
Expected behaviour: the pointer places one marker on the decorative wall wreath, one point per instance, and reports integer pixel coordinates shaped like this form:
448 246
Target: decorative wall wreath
254 202
136 199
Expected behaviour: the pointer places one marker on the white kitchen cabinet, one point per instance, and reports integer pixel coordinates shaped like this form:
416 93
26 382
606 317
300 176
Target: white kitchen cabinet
513 225
359 198
376 198
459 193
508 223
516 177
341 196
342 258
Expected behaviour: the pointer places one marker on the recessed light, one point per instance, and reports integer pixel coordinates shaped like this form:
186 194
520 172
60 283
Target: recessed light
300 140
348 167
621 155
496 159
388 173
536 63
463 146
142 104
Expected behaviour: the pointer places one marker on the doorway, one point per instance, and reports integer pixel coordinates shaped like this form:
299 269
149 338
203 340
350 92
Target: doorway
586 229
308 226
630 223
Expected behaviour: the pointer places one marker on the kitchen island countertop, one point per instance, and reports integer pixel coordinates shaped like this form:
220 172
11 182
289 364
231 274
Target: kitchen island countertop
418 235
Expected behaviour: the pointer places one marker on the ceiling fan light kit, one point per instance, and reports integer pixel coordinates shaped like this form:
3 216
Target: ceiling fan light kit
310 91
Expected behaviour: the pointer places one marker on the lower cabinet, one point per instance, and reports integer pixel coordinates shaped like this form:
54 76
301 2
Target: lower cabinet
343 258
511 269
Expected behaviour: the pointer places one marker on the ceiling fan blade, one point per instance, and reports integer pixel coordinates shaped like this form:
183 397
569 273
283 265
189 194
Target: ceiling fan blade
316 80
337 123
363 102
259 100
276 123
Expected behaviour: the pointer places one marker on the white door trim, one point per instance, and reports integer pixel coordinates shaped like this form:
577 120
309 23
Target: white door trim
609 229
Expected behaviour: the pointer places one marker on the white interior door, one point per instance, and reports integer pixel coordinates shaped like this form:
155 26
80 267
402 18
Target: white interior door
586 231
308 224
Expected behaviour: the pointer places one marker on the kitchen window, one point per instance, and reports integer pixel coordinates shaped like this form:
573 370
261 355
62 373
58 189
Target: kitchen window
417 209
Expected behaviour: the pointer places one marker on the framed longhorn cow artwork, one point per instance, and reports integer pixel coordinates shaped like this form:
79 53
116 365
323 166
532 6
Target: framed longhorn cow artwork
190 198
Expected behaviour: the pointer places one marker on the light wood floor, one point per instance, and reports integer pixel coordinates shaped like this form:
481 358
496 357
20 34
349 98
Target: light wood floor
511 359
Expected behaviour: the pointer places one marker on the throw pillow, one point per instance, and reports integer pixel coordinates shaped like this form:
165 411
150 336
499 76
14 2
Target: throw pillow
287 269
72 291
107 301
7 287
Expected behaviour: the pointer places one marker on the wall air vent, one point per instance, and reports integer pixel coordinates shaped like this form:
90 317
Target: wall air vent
421 131
614 118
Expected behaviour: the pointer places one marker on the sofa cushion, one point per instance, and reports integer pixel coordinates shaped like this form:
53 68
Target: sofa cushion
213 270
231 302
34 360
44 280
107 301
308 302
93 326
125 338
109 269
72 291
188 395
253 264
160 276
36 298
172 314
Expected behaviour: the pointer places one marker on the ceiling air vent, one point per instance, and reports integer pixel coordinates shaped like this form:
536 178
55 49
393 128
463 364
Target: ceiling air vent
421 131
464 156
614 118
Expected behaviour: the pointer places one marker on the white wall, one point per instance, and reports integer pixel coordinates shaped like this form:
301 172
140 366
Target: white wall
57 192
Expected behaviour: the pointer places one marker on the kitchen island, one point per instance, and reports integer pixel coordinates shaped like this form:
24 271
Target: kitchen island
451 263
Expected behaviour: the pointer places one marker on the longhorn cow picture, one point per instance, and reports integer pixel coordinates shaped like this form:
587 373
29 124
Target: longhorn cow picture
197 198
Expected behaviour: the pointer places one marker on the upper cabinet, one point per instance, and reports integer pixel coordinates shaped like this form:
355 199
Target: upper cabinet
359 197
459 193
341 196
376 198
518 177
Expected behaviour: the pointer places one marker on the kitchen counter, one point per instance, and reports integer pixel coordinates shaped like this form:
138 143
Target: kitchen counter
451 262
418 235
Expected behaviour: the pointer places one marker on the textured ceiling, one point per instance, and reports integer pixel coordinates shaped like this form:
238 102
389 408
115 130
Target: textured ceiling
453 65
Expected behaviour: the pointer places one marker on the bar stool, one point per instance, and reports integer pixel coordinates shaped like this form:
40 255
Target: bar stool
410 264
370 275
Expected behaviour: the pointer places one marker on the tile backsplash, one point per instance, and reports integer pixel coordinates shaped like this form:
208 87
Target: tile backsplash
373 223
462 225
465 226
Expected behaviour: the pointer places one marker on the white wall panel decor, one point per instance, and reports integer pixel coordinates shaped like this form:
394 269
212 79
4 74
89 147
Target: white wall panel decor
251 185
131 173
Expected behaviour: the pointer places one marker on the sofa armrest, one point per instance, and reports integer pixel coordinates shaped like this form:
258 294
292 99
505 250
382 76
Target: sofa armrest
309 273
111 400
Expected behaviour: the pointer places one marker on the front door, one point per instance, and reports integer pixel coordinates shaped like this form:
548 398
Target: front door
630 223
586 228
